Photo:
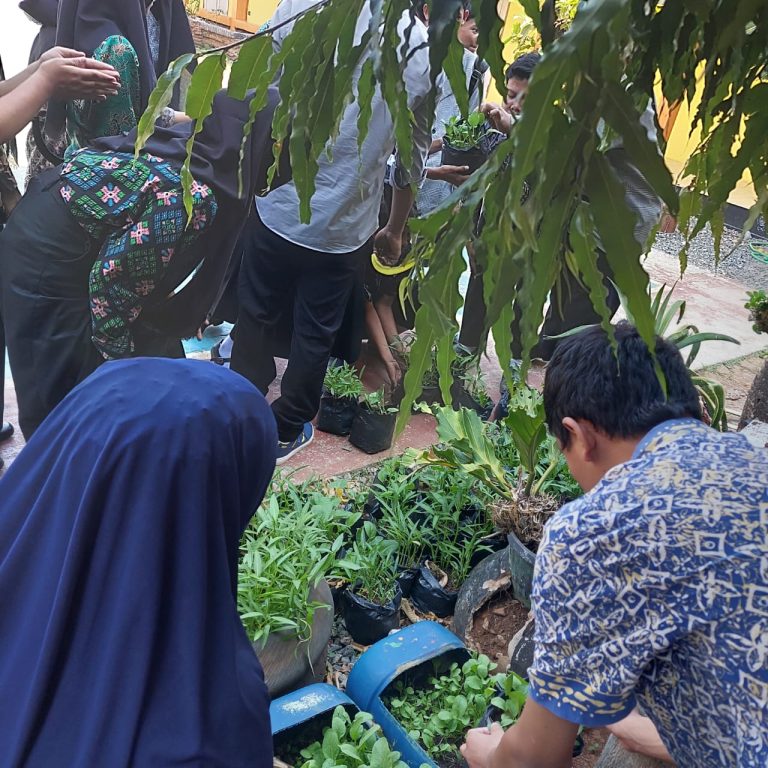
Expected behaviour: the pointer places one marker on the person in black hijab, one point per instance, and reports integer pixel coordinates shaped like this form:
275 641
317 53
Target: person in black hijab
92 259
140 38
120 643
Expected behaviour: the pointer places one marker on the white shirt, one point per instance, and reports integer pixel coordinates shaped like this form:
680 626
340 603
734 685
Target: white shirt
345 206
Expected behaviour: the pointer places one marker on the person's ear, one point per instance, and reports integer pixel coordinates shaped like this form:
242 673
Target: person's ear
582 438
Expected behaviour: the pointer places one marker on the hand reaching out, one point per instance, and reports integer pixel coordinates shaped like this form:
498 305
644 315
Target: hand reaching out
71 75
388 245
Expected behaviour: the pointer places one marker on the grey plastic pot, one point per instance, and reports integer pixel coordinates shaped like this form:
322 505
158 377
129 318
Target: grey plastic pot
289 664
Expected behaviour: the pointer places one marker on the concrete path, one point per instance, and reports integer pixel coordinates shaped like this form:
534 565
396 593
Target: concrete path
714 303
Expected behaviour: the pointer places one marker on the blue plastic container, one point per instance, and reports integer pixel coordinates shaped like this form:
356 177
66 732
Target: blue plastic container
389 659
299 716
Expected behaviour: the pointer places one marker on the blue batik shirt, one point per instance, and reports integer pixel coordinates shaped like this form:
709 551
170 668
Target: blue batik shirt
652 590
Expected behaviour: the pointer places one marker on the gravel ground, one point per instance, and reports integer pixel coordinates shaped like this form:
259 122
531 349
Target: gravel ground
736 260
342 655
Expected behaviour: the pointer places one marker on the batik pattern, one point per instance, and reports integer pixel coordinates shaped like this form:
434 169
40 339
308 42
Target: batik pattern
653 589
135 207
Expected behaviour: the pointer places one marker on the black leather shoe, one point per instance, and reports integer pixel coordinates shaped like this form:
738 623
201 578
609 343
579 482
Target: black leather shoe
6 431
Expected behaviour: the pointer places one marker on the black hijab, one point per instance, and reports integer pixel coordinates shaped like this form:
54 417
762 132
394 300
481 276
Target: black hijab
85 24
215 162
44 12
120 643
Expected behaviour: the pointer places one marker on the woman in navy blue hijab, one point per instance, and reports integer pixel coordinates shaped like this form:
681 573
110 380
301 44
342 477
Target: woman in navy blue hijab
120 643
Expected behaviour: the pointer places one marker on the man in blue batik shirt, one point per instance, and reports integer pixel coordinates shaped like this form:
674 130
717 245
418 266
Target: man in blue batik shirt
651 590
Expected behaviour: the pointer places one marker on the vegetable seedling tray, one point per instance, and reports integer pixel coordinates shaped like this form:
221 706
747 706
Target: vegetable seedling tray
402 653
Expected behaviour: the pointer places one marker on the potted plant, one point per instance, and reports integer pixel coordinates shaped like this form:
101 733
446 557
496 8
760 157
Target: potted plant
287 552
469 391
525 473
461 142
341 389
758 310
374 426
371 606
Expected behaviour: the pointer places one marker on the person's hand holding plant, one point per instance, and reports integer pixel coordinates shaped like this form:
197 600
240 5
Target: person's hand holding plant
479 748
388 245
498 117
453 174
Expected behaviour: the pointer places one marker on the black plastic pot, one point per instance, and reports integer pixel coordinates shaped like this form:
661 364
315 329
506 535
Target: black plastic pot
429 597
493 543
462 399
406 580
473 158
521 561
336 414
372 432
369 622
431 396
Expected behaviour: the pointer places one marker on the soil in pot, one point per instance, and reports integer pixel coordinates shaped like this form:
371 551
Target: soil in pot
473 157
430 595
495 624
336 414
368 622
372 432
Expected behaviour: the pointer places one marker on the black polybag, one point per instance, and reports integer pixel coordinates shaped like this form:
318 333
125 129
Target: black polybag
368 622
372 432
428 596
336 414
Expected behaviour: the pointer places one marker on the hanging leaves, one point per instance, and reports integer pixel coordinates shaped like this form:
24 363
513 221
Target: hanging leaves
586 97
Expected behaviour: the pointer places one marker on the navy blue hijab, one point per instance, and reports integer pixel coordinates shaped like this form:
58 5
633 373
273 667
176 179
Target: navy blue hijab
120 643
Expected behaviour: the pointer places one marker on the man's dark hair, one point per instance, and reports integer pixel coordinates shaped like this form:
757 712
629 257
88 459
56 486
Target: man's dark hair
619 393
522 67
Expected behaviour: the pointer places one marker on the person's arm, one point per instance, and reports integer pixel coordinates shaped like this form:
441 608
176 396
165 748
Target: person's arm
538 740
63 75
638 734
377 336
388 243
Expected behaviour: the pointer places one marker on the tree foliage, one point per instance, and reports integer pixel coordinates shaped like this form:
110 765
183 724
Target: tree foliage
592 85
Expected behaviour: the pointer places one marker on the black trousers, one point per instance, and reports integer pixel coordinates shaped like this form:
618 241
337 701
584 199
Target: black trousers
569 307
45 260
276 274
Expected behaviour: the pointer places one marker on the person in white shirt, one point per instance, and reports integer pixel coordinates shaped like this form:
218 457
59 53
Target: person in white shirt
312 267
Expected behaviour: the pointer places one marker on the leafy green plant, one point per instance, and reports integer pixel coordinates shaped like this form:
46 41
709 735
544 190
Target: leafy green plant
343 381
466 133
350 743
439 712
290 545
758 310
371 565
516 460
376 402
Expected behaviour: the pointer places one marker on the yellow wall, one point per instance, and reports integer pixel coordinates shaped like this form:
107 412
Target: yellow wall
259 11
